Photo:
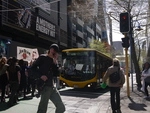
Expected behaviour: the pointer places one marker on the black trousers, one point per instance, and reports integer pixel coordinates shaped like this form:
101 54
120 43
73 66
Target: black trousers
115 97
146 91
3 83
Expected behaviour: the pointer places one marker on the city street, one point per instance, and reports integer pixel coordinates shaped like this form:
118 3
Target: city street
76 101
73 43
84 101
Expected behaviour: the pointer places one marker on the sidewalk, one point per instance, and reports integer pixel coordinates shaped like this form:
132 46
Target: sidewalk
133 104
26 106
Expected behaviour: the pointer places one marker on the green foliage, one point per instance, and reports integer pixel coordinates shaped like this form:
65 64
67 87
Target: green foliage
99 46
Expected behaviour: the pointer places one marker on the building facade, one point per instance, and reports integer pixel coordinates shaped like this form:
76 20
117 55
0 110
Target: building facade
32 24
39 23
81 31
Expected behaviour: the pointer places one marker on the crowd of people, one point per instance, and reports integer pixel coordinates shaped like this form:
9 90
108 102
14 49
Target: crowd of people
19 78
15 79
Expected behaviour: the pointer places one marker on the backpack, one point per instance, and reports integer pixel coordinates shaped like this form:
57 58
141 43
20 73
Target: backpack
114 77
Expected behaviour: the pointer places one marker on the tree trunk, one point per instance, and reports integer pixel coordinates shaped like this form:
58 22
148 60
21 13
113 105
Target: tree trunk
135 62
148 21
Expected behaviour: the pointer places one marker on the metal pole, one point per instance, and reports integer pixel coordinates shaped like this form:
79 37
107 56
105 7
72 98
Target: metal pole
131 64
127 71
131 71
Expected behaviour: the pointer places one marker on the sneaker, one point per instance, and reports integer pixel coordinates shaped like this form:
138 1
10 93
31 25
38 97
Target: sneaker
142 90
119 111
114 111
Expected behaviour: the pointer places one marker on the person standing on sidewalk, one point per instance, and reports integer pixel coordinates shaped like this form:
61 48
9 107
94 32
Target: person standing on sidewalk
47 68
14 80
3 77
115 86
145 77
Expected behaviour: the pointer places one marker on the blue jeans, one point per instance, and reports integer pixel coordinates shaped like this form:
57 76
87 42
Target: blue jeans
115 97
51 93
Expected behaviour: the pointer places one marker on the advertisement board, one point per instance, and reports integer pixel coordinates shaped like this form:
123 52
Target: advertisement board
21 13
27 54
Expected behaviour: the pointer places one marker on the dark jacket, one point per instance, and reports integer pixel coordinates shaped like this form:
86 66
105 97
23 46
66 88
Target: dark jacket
44 65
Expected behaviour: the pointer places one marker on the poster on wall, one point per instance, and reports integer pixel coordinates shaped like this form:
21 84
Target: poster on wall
21 15
3 47
22 12
27 54
45 27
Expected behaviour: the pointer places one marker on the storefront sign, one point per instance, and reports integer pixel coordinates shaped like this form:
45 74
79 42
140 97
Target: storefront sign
27 54
45 27
25 17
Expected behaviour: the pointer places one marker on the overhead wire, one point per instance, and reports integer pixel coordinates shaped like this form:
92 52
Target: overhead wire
19 9
28 7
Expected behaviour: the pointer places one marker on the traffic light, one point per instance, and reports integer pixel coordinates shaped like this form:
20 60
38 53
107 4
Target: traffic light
124 22
125 42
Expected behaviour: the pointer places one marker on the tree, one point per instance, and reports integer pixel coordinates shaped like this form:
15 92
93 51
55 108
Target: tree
138 13
84 9
103 47
147 29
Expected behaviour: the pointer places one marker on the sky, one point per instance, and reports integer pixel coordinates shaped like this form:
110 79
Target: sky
117 36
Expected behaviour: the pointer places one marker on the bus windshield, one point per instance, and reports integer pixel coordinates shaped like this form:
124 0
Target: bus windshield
79 63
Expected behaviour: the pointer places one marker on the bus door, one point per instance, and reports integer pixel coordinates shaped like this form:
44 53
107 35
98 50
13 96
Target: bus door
99 69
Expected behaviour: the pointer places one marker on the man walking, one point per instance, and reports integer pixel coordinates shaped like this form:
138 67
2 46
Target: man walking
47 69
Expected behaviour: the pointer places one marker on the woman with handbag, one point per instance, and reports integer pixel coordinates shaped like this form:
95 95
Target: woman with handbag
114 85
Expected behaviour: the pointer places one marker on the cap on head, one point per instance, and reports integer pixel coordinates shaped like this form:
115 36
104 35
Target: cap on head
55 47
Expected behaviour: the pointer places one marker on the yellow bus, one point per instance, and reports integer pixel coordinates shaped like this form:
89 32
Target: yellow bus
83 67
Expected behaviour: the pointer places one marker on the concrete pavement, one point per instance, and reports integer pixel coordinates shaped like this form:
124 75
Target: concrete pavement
133 104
